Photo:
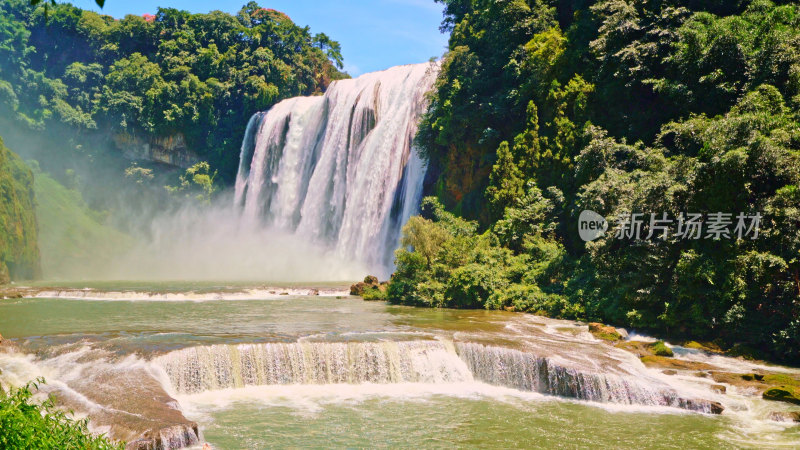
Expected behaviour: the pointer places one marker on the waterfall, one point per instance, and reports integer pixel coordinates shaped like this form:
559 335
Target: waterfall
198 369
525 371
340 168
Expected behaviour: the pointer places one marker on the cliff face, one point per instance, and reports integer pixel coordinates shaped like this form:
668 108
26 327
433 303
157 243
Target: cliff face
19 252
170 150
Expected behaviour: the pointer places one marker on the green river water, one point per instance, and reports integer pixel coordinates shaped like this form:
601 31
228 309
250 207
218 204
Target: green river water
116 341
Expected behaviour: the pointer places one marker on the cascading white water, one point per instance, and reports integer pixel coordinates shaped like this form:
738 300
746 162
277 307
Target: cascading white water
199 369
526 371
340 168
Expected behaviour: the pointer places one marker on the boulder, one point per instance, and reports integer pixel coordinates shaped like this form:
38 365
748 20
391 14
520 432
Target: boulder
669 372
370 281
701 405
788 394
785 416
174 436
719 388
659 348
623 332
358 288
716 407
604 332
752 376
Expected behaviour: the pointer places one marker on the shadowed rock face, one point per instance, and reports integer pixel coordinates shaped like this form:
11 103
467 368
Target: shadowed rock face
171 150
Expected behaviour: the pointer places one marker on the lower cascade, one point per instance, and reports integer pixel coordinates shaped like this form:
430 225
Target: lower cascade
199 369
339 168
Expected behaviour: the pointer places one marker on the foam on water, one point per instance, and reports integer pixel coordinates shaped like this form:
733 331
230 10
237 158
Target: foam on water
266 293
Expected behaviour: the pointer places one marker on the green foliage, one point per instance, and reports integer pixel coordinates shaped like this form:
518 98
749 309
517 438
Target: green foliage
373 293
25 423
545 109
19 251
197 183
93 78
505 182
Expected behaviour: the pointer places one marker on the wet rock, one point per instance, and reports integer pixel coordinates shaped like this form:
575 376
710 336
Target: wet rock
171 437
719 388
672 363
669 372
788 394
604 332
709 347
752 376
638 348
370 282
785 416
716 407
358 288
623 333
701 405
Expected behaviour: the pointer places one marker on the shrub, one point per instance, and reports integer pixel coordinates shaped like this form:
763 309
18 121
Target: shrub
27 424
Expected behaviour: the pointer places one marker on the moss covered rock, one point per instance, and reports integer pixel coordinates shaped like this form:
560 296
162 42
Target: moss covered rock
604 332
369 289
659 348
19 251
788 394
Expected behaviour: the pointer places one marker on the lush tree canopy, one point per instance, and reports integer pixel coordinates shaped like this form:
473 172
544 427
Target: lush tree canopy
91 78
547 108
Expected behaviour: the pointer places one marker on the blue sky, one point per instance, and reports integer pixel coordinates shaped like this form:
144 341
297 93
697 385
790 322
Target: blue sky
375 34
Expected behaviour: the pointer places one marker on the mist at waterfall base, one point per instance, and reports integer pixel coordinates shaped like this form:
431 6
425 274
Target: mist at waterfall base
324 186
213 243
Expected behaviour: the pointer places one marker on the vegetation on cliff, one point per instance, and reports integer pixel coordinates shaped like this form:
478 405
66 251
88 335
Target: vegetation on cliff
83 79
544 109
19 251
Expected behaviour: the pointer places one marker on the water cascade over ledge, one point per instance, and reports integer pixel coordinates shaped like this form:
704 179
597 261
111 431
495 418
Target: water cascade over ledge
200 369
340 168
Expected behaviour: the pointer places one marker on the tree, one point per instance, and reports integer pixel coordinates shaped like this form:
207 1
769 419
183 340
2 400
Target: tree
505 182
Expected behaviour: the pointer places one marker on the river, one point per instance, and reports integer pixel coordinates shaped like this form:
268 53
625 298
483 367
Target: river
259 367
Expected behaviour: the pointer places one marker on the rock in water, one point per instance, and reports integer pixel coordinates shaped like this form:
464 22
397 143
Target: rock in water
604 332
785 416
369 282
786 394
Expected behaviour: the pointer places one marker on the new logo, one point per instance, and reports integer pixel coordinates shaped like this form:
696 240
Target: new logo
591 225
